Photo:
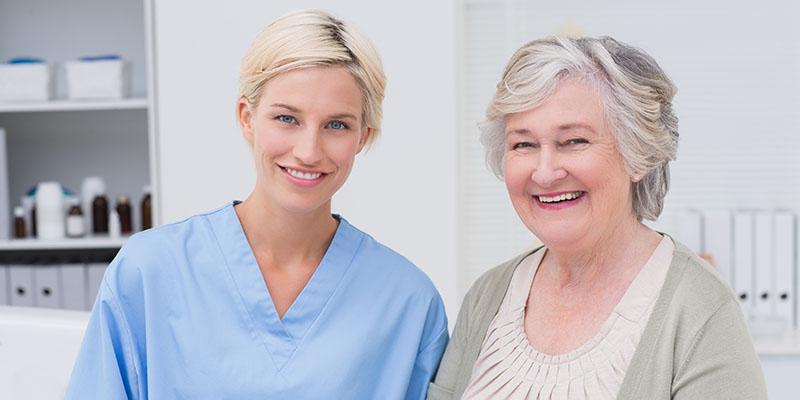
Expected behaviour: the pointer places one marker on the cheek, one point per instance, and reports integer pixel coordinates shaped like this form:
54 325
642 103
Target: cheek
517 173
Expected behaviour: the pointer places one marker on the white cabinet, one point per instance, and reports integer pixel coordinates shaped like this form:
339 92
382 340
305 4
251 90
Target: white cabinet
67 140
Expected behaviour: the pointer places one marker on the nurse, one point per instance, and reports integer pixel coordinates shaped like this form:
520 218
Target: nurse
273 297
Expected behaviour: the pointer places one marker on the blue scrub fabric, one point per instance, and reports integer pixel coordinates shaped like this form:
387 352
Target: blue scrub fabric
183 313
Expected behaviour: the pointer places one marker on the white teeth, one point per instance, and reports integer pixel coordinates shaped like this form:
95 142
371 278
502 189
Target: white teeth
556 199
309 176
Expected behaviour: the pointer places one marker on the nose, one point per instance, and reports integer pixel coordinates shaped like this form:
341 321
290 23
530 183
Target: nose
548 169
308 147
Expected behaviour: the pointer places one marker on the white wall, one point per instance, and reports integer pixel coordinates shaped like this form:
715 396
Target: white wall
403 191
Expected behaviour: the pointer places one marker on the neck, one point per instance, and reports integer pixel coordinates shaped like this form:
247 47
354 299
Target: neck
283 237
612 255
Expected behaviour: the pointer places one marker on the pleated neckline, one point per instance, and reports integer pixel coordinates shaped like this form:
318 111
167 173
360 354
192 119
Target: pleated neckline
509 367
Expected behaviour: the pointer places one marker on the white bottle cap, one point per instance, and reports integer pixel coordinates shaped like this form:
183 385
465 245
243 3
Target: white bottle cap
19 212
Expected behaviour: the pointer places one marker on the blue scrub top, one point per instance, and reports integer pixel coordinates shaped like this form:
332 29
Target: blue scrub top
184 313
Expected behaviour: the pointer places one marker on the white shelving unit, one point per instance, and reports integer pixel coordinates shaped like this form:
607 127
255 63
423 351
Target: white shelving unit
91 242
68 140
75 105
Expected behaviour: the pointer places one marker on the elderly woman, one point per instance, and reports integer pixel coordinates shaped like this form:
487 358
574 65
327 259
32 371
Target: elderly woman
582 131
273 297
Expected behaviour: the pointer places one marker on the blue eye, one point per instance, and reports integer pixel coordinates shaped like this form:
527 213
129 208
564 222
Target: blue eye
286 119
337 125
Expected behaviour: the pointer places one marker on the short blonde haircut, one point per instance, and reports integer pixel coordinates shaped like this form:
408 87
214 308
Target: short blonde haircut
313 38
637 97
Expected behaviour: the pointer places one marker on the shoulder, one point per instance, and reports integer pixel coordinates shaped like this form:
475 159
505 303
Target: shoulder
152 253
493 283
392 265
699 289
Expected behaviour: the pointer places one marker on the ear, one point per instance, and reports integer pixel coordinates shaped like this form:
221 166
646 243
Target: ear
245 117
366 133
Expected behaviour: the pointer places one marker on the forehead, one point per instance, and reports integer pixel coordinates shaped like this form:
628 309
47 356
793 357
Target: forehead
574 102
328 88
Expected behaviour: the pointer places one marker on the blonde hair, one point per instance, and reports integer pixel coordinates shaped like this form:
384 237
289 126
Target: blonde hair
314 38
637 97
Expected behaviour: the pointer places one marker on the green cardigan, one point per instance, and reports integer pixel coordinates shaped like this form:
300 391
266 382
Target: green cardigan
695 345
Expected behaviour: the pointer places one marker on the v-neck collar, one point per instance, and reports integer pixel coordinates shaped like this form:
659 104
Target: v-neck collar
281 337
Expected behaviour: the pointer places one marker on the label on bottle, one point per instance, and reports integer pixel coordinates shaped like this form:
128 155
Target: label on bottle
75 226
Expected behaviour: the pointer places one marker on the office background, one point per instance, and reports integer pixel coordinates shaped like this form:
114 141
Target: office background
423 188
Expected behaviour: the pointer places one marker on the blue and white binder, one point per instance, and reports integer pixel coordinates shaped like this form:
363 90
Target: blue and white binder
743 259
785 240
718 241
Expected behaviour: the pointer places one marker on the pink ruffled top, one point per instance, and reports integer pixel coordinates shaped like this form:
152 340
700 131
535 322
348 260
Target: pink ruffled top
508 367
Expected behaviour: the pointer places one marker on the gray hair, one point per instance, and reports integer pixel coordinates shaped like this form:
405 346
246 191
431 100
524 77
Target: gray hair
637 97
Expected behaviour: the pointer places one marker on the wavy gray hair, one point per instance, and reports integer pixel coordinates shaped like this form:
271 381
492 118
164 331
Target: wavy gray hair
637 97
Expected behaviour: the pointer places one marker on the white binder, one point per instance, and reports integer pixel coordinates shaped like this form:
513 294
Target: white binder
784 262
718 240
20 278
5 291
73 286
764 264
690 230
743 242
94 274
5 205
47 284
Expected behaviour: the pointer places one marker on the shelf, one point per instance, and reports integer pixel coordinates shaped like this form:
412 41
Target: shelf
74 105
63 244
785 345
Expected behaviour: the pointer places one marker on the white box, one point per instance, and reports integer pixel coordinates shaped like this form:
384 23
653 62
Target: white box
25 82
101 79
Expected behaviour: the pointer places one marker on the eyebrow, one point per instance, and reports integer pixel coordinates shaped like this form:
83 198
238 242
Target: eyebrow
563 127
297 110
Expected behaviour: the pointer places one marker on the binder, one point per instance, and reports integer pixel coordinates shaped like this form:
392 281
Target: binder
743 259
94 274
718 241
5 291
5 205
690 230
47 284
764 264
21 279
784 262
73 286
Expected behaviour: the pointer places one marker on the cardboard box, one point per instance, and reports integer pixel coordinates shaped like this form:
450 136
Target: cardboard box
100 79
25 82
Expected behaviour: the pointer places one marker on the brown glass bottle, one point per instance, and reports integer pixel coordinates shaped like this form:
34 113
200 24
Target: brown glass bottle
33 221
100 214
19 223
147 211
125 218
